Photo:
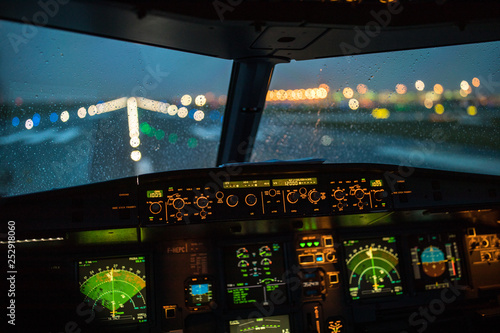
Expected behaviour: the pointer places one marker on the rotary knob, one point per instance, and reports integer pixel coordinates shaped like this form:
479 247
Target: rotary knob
314 196
359 194
155 207
251 199
202 202
293 197
380 195
178 203
339 194
232 200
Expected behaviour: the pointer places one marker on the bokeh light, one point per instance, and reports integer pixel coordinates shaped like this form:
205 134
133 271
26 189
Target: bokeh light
82 112
182 112
28 124
471 110
136 155
438 89
439 109
353 104
362 88
348 92
476 82
64 116
200 100
401 89
419 85
186 100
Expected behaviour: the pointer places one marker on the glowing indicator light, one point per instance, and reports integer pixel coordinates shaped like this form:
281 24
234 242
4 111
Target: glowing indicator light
64 116
159 135
471 110
309 244
28 124
199 115
135 142
439 109
302 244
192 143
438 89
401 89
476 82
92 110
464 85
172 110
353 104
376 183
15 121
136 155
419 85
182 112
361 88
316 243
348 92
200 100
82 112
145 128
53 117
186 100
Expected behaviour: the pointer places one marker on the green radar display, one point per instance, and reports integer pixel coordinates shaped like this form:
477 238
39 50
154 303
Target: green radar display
373 267
115 288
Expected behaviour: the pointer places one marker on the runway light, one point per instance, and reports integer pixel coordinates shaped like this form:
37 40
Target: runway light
136 155
133 117
186 100
419 85
92 110
348 92
353 104
361 88
135 142
28 124
438 89
182 112
439 109
199 115
149 104
200 100
64 116
471 110
401 89
172 110
82 112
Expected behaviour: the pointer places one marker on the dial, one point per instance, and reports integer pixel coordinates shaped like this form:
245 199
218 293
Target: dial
373 267
433 261
242 253
178 203
202 202
265 251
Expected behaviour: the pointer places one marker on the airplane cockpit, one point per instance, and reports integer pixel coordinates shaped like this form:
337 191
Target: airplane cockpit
250 166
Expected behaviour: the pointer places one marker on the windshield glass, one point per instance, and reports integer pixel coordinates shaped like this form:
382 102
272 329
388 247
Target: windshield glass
433 108
78 109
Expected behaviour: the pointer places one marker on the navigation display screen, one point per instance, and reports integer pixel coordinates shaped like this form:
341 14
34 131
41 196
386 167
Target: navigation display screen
373 267
115 288
436 260
255 273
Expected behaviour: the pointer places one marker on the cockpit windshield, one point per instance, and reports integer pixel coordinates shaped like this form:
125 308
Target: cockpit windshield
433 108
78 109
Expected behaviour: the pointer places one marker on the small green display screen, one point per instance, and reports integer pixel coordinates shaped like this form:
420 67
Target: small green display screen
246 183
376 183
295 181
155 194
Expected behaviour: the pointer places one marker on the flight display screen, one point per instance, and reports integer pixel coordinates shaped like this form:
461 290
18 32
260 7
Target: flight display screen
115 288
255 273
435 259
273 324
373 267
199 293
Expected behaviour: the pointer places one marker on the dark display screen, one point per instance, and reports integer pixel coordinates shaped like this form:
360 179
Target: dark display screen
115 288
435 259
274 324
255 273
373 267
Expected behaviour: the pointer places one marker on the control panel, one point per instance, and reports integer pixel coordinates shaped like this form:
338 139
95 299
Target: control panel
201 200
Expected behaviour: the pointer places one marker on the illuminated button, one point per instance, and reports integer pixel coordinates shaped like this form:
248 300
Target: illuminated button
316 243
169 311
272 192
327 241
309 244
333 278
320 257
232 200
302 244
306 259
330 256
380 195
251 199
178 203
203 214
